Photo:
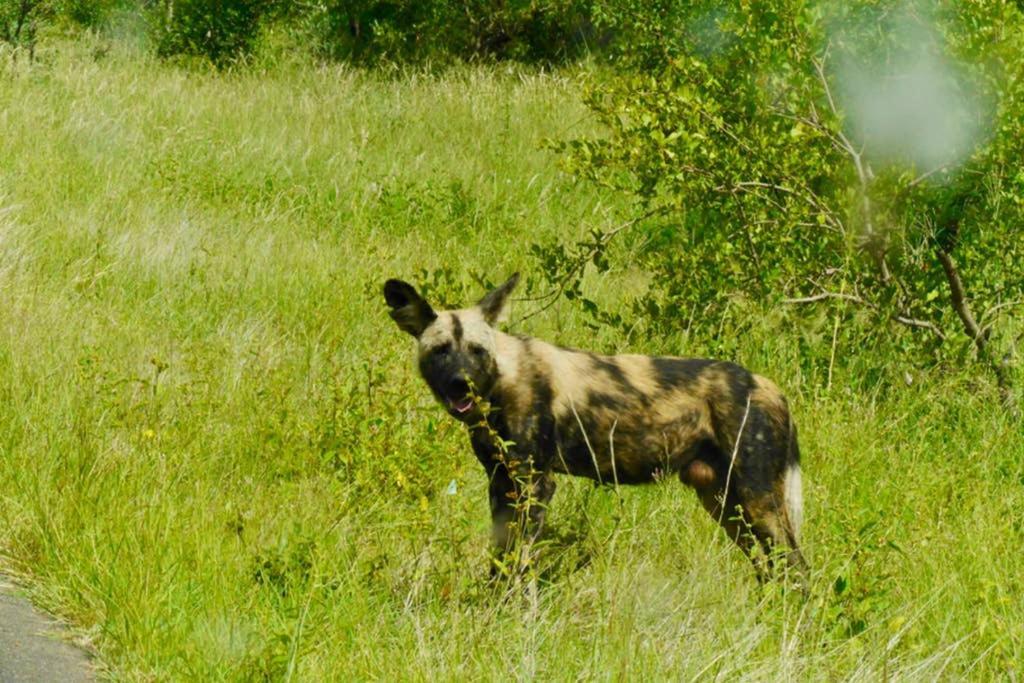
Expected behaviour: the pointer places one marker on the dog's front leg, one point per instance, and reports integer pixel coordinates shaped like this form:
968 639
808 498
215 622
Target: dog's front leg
519 497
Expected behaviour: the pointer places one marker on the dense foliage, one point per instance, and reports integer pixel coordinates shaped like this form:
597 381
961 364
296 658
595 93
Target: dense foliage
854 154
220 30
371 30
364 31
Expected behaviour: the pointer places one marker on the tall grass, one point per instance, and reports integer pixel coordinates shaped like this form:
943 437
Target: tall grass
217 462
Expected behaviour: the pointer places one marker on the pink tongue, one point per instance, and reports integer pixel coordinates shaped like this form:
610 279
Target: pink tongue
463 405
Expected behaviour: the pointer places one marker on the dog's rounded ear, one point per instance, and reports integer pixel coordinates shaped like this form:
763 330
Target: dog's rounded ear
398 293
493 305
408 309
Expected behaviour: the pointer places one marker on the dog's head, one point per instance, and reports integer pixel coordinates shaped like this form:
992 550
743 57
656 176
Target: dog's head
456 348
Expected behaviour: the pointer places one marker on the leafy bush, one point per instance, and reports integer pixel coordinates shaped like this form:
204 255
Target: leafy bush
364 31
402 30
795 151
19 21
93 13
220 30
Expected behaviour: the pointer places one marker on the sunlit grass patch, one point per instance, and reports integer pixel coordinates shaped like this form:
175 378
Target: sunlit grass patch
217 460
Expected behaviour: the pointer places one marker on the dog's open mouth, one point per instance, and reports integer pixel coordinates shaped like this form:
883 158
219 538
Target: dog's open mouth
461 405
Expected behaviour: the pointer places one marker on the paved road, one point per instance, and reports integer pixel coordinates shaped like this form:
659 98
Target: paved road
29 652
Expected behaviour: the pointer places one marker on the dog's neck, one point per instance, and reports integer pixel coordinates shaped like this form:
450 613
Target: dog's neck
508 355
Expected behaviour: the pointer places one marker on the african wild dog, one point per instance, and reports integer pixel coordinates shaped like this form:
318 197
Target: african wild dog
623 419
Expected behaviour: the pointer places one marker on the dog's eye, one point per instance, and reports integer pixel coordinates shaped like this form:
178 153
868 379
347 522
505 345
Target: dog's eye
477 350
443 350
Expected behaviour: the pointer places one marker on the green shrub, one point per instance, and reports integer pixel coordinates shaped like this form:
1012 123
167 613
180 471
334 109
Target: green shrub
852 155
363 31
219 30
19 21
94 13
406 30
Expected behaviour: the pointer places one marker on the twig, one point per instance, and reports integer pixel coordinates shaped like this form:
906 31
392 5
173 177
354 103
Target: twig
732 460
825 295
586 440
808 196
977 334
581 263
901 318
998 307
924 176
832 355
864 173
959 301
923 324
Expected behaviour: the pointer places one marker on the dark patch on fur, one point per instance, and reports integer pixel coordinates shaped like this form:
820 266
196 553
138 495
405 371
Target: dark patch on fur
613 370
619 376
573 451
740 382
456 329
602 400
793 454
758 464
676 373
544 428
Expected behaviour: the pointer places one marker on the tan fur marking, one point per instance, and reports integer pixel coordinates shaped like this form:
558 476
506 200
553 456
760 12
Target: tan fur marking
571 376
508 354
437 333
475 330
767 396
638 372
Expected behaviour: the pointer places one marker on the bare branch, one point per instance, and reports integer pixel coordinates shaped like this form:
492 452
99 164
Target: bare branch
923 324
863 171
819 66
959 300
992 311
815 122
980 336
824 295
552 296
808 196
903 318
924 176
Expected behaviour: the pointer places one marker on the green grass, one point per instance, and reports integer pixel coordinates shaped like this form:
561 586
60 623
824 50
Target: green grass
217 462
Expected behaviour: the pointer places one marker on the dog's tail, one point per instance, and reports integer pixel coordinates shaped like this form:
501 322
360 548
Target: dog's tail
793 490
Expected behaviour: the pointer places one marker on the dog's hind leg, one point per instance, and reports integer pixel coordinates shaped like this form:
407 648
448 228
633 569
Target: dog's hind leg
731 518
768 517
755 521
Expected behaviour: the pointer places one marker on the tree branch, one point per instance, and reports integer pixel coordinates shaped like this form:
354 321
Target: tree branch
924 176
581 261
802 193
901 318
824 295
959 301
980 336
985 329
923 324
864 173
